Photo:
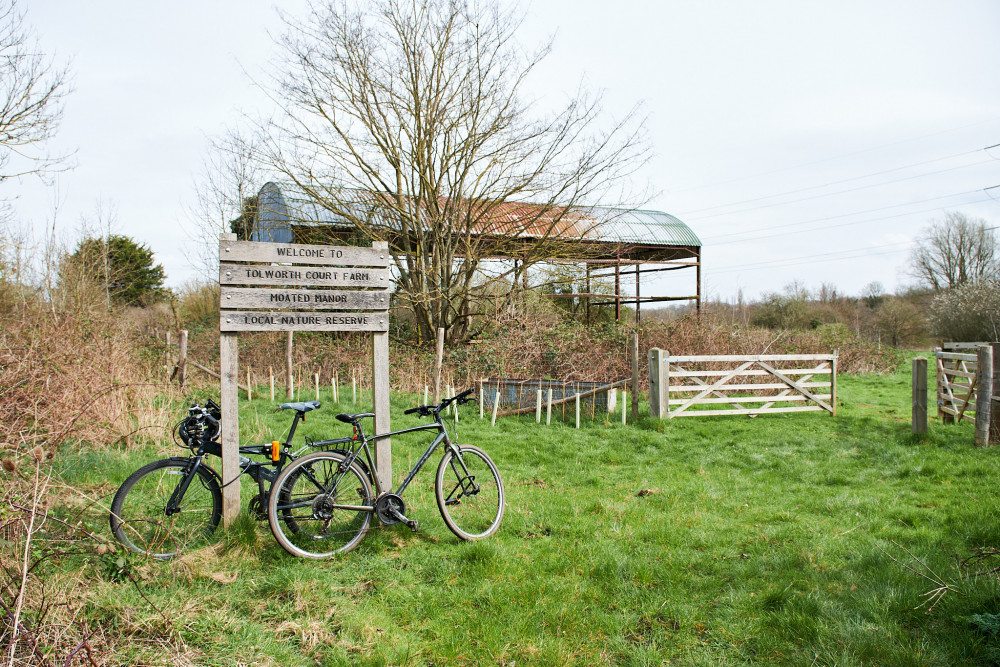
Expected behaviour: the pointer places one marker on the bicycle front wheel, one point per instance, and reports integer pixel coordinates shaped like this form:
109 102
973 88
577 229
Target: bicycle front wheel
315 509
469 493
139 514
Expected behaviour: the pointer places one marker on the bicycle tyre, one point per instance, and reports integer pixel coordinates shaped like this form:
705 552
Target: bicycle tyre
469 493
138 519
300 507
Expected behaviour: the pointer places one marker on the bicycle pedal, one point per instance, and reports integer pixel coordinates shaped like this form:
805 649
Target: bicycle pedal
412 524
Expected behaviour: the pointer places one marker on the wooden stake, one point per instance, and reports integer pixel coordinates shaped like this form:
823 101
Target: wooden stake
182 353
496 405
438 360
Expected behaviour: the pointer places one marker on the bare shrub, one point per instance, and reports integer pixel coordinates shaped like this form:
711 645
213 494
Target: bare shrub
968 313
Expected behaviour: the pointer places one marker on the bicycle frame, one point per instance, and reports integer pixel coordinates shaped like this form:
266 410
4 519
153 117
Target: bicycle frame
363 440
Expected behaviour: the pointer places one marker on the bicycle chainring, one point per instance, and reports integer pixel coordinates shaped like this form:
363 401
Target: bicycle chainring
384 506
258 507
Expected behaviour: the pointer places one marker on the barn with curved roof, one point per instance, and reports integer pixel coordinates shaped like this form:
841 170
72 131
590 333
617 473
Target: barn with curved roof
624 243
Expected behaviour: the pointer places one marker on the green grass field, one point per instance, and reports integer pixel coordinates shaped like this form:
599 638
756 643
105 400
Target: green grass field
695 541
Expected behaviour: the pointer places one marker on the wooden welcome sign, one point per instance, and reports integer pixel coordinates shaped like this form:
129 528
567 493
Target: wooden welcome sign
296 287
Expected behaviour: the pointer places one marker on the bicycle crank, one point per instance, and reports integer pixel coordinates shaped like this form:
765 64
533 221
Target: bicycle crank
390 508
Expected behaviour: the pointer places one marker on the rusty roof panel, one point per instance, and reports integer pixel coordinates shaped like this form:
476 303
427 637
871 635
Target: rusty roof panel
283 205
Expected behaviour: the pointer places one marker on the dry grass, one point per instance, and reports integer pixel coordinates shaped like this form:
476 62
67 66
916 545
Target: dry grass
78 375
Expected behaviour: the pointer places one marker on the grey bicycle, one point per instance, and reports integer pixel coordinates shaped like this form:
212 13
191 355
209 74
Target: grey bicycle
324 503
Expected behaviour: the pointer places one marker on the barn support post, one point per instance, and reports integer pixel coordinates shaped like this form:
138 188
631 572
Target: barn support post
637 307
697 293
618 288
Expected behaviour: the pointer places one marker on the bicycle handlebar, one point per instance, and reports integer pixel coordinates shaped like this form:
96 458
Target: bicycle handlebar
428 410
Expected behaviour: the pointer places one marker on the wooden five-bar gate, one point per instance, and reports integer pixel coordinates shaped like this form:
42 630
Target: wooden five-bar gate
698 386
956 381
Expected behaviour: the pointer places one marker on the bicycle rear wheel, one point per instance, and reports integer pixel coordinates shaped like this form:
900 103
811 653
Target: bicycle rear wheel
315 509
469 493
139 517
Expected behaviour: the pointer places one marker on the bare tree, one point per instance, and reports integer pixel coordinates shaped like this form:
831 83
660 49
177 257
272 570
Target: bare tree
225 197
954 251
408 120
32 89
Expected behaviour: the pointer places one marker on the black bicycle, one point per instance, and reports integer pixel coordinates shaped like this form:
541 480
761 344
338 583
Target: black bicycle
323 503
168 506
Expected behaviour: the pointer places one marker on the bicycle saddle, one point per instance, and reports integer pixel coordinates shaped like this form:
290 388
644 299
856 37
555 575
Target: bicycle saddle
304 406
350 419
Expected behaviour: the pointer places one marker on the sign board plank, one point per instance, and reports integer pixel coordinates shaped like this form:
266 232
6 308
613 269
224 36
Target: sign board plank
268 274
259 320
298 253
300 299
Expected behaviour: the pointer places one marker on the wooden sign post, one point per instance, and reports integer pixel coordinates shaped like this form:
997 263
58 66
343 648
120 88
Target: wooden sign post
294 287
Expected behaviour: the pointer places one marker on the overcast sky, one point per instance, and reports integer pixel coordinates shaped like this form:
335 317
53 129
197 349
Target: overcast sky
800 140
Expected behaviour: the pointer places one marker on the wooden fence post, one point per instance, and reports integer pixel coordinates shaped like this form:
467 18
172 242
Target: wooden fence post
984 394
182 353
289 380
635 375
229 393
919 395
995 402
657 388
548 409
438 360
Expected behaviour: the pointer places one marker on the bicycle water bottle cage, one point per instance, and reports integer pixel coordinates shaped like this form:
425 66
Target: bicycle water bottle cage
350 419
304 406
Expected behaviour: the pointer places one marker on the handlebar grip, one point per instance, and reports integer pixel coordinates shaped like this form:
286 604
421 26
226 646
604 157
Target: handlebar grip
464 394
411 411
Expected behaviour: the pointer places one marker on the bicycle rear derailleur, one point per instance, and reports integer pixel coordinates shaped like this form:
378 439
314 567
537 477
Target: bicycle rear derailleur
389 509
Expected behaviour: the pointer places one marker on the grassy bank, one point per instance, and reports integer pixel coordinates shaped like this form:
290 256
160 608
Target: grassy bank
701 541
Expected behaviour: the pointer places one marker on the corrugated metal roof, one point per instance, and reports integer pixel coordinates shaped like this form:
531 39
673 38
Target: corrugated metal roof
283 205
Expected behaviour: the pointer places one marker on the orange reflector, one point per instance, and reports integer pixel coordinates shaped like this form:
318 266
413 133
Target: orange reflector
275 450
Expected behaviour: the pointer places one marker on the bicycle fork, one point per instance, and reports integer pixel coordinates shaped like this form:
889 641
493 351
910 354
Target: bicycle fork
173 504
